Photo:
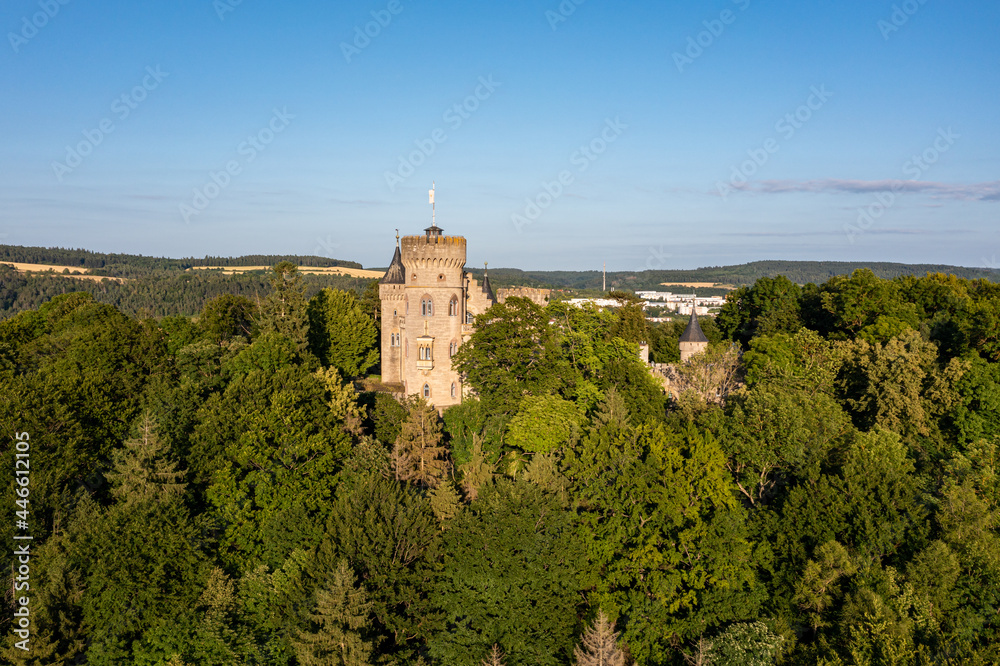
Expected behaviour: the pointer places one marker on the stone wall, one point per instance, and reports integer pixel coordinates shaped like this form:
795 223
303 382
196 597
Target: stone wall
538 296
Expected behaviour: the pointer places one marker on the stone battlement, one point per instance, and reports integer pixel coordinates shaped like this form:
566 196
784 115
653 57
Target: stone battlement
537 296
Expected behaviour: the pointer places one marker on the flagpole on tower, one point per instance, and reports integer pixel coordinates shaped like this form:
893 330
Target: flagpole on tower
433 206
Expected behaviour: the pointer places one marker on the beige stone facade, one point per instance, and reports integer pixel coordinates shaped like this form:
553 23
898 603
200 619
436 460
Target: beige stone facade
428 302
535 295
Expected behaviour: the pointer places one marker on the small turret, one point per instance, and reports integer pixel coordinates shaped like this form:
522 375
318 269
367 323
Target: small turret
693 340
487 288
396 273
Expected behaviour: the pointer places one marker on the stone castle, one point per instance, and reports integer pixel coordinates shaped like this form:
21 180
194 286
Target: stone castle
429 301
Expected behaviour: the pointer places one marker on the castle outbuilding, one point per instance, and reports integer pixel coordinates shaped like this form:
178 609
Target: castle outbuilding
693 340
429 301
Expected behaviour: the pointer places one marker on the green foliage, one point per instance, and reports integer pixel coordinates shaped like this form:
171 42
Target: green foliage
209 493
745 644
284 310
383 529
340 618
543 423
773 436
387 418
419 455
508 577
513 353
271 446
768 307
666 533
228 316
140 474
630 321
341 333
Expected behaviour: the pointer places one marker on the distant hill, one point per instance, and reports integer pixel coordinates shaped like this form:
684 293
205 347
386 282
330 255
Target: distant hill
800 272
157 286
130 265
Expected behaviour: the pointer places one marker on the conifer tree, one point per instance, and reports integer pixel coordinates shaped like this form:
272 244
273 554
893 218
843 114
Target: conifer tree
419 455
284 309
445 502
341 616
141 471
341 333
477 472
599 645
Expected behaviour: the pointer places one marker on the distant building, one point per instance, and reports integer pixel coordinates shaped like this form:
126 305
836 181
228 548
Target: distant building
428 304
599 302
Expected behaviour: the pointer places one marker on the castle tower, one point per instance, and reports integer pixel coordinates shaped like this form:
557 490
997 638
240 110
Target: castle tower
428 302
693 340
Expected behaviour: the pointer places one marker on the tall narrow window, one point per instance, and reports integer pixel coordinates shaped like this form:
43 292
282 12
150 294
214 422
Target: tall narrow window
427 390
453 391
453 307
427 307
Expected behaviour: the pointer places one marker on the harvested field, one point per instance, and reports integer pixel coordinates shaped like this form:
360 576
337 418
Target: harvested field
305 270
75 272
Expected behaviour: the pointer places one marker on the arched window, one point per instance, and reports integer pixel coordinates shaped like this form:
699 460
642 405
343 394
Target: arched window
394 313
453 307
426 306
427 390
453 389
470 318
452 348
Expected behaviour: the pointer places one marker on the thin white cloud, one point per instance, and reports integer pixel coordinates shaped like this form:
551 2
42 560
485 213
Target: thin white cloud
988 191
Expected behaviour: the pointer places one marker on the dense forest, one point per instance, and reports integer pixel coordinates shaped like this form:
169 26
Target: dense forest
128 265
819 487
156 293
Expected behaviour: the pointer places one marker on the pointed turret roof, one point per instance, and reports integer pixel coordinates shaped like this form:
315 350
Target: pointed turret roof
396 273
693 332
487 289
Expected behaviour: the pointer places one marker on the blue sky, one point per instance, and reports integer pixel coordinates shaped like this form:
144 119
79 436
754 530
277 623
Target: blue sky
647 135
